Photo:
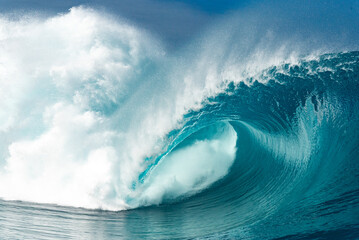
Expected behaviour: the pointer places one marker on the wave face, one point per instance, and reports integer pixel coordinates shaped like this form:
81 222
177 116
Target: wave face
211 143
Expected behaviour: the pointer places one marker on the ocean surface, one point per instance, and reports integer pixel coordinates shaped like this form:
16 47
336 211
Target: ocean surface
250 131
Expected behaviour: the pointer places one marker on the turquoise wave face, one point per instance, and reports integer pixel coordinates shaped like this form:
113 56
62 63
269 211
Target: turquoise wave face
295 161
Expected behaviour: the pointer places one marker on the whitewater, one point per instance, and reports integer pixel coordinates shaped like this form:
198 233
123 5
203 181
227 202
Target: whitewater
250 131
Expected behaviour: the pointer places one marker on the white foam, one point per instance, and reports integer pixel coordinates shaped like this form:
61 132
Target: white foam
191 169
56 77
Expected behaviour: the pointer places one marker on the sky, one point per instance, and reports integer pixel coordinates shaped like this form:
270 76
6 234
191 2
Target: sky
174 21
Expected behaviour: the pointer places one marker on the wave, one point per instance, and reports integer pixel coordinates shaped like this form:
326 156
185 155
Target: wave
98 115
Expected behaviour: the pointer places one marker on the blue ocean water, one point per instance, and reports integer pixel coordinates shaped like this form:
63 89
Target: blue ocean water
250 131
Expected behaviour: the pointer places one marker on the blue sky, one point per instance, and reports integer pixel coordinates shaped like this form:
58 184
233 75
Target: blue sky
174 21
178 21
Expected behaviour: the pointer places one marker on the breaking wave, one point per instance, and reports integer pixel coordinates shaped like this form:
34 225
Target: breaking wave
94 113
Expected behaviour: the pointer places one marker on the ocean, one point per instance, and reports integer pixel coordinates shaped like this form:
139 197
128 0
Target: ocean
248 131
